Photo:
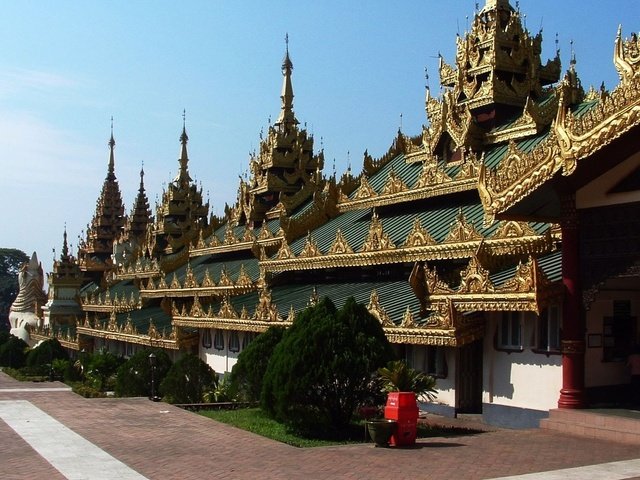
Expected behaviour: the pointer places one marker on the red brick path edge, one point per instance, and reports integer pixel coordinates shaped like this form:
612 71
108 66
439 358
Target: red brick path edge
161 441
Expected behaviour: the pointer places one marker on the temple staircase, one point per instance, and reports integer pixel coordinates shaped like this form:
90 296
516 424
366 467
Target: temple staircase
618 425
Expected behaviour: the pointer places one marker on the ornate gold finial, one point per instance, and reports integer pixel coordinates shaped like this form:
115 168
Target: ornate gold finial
287 117
112 144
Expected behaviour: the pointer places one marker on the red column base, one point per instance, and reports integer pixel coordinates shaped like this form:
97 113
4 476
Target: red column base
572 398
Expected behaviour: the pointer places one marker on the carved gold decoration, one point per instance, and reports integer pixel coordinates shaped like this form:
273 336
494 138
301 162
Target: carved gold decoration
377 310
227 310
572 139
461 231
265 310
418 236
376 238
364 190
432 174
339 245
310 248
393 185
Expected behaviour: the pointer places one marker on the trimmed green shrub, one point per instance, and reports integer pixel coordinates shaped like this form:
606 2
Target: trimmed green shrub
323 367
134 375
101 369
187 380
248 373
86 391
12 352
45 353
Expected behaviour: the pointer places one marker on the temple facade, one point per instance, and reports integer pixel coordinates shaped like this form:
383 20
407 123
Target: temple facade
498 248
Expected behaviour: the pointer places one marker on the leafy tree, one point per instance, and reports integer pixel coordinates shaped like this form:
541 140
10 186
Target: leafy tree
11 260
187 379
101 369
322 369
134 375
46 353
247 374
12 352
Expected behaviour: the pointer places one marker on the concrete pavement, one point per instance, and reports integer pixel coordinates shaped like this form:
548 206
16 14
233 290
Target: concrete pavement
159 441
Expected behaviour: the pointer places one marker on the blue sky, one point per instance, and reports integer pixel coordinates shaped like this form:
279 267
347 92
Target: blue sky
67 67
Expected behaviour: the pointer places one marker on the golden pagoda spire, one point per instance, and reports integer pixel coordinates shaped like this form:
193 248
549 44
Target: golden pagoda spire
183 175
65 246
287 117
112 144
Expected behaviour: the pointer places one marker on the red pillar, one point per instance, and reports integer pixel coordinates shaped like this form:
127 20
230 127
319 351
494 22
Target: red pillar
572 394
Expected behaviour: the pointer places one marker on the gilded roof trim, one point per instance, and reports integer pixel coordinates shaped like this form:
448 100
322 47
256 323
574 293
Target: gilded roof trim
572 137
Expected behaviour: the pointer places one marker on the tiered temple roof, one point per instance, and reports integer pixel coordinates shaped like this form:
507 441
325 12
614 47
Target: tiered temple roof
94 253
416 235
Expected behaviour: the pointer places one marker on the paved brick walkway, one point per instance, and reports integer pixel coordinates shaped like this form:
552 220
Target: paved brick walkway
163 442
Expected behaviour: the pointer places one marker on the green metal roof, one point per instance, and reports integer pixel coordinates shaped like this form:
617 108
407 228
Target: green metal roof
434 217
550 264
394 296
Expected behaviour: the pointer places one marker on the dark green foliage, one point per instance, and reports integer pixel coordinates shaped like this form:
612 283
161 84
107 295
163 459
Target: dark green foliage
397 376
248 373
87 391
101 369
187 380
322 369
4 336
45 353
10 261
134 375
12 352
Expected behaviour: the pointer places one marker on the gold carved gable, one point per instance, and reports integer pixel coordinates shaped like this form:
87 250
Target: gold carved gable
265 233
265 310
462 231
225 280
376 239
196 308
284 252
207 281
418 236
431 174
175 283
229 237
227 310
190 280
393 185
310 248
513 229
244 280
408 320
365 190
340 245
474 278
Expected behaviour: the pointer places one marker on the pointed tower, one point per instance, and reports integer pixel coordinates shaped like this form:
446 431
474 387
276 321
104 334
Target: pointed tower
107 223
140 216
285 171
182 213
498 62
62 307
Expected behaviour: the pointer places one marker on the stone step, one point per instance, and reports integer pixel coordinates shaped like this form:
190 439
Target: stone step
591 424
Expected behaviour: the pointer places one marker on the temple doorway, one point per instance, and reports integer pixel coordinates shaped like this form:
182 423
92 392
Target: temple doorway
469 378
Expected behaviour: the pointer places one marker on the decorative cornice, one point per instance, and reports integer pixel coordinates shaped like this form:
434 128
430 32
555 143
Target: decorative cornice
111 330
527 290
462 241
104 302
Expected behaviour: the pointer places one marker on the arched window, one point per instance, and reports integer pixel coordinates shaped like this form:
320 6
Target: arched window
206 338
234 342
218 340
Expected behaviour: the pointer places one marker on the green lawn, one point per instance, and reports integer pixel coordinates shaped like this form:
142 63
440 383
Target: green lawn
254 420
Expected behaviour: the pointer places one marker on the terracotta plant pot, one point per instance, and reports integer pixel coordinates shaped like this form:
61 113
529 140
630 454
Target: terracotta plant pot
381 430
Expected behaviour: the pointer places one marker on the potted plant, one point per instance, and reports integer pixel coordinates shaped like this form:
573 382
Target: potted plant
404 385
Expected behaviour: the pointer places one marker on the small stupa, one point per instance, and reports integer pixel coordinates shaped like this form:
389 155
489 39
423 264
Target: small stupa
26 310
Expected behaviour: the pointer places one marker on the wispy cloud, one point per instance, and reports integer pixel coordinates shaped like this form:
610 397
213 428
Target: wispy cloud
14 80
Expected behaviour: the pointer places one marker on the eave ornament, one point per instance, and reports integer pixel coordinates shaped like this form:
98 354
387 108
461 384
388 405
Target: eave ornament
376 238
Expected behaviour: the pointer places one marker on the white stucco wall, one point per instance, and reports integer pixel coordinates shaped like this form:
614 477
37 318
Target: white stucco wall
222 361
520 379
